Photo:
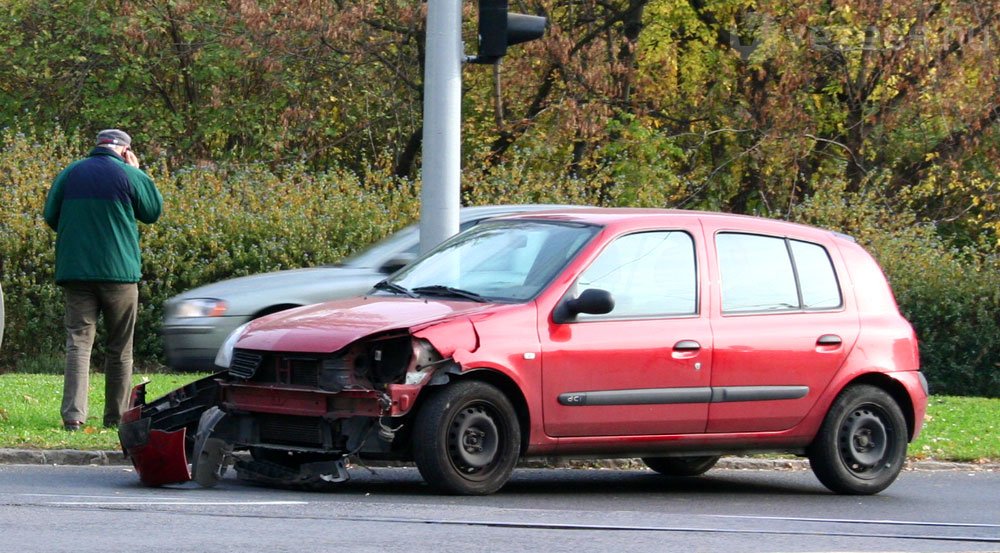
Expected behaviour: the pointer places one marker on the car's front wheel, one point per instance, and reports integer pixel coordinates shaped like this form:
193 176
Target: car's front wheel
467 439
861 446
681 466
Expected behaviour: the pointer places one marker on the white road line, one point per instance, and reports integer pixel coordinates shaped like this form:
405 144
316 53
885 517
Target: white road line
178 502
866 521
79 495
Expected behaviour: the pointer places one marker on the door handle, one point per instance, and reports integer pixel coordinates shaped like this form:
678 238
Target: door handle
687 345
829 340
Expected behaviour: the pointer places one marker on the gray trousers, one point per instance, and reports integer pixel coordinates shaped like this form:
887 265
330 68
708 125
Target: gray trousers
118 303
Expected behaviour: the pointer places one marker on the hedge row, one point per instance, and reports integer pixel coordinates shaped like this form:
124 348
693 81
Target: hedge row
221 222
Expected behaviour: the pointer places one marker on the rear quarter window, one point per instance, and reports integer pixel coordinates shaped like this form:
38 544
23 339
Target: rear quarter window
768 274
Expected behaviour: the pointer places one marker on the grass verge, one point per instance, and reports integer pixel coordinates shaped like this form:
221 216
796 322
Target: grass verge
956 428
29 410
960 429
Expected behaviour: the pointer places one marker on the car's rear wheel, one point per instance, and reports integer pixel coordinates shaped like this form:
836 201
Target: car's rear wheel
861 446
467 439
681 466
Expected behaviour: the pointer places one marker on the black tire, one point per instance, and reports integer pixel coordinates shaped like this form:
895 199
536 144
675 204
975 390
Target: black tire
467 439
681 466
861 446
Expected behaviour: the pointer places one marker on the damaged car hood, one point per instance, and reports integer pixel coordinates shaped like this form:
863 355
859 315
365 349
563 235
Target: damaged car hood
327 327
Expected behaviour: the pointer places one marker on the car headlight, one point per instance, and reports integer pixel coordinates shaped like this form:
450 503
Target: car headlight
224 357
201 307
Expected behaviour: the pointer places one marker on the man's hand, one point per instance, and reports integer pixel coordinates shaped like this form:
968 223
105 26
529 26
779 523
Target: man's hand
131 158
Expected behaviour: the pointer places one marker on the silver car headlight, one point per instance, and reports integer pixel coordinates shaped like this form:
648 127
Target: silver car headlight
201 307
224 357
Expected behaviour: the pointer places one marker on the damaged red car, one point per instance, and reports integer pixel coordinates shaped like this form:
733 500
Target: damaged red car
671 336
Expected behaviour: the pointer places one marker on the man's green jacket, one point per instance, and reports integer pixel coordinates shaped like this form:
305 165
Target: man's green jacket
93 206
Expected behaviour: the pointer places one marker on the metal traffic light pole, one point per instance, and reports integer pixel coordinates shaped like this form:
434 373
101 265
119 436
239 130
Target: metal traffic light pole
442 140
439 194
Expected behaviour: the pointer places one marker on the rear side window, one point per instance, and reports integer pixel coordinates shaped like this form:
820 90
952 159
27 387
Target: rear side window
766 273
816 277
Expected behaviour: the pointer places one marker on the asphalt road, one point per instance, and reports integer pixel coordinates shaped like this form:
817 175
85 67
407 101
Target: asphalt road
79 509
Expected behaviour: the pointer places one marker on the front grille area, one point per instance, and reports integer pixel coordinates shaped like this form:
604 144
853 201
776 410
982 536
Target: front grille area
245 363
288 430
276 368
303 372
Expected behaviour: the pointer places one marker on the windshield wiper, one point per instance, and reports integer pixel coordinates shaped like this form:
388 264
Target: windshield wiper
441 290
393 287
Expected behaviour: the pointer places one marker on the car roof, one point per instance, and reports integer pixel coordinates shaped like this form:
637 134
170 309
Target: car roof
484 211
615 216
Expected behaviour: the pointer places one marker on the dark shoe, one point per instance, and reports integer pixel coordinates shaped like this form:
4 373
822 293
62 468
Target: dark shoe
72 426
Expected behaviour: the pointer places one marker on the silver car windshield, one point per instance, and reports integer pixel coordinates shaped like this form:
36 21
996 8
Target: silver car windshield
505 261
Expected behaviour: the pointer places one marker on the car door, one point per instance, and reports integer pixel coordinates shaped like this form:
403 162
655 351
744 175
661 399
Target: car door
644 367
782 330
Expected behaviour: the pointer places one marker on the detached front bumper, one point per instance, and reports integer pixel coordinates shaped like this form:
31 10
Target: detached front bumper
158 437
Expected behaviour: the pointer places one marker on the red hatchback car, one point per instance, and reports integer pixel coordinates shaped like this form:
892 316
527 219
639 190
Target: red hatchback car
672 336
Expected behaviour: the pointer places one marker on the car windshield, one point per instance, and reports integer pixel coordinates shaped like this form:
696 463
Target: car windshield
505 261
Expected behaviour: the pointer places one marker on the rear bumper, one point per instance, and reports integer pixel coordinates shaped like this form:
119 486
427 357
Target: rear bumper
916 387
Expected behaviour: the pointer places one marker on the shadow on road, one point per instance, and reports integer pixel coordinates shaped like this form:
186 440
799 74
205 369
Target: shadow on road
584 482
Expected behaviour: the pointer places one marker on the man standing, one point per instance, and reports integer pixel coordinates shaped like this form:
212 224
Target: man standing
93 206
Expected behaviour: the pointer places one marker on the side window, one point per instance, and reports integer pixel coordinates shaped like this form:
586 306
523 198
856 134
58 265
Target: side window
757 274
765 273
816 276
649 274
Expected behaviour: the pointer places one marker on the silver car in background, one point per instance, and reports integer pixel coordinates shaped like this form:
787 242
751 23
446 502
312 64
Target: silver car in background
198 321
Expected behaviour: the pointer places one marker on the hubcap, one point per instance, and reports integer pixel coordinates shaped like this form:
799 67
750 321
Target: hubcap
473 439
864 441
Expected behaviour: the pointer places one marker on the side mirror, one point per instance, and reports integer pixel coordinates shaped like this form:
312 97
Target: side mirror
593 301
396 263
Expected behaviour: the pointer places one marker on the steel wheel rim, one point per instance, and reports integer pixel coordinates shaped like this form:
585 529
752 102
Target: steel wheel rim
474 438
866 441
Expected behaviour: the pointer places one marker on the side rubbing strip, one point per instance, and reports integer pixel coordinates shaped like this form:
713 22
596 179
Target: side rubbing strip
757 393
668 396
648 396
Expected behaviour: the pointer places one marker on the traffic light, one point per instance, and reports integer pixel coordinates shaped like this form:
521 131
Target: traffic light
499 29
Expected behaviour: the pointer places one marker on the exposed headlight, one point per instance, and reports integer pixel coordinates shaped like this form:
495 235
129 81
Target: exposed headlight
225 356
200 307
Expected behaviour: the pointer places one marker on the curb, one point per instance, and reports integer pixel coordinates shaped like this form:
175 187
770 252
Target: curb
73 457
60 457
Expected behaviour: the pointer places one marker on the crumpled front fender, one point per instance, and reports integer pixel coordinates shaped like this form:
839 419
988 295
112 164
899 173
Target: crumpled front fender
454 336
